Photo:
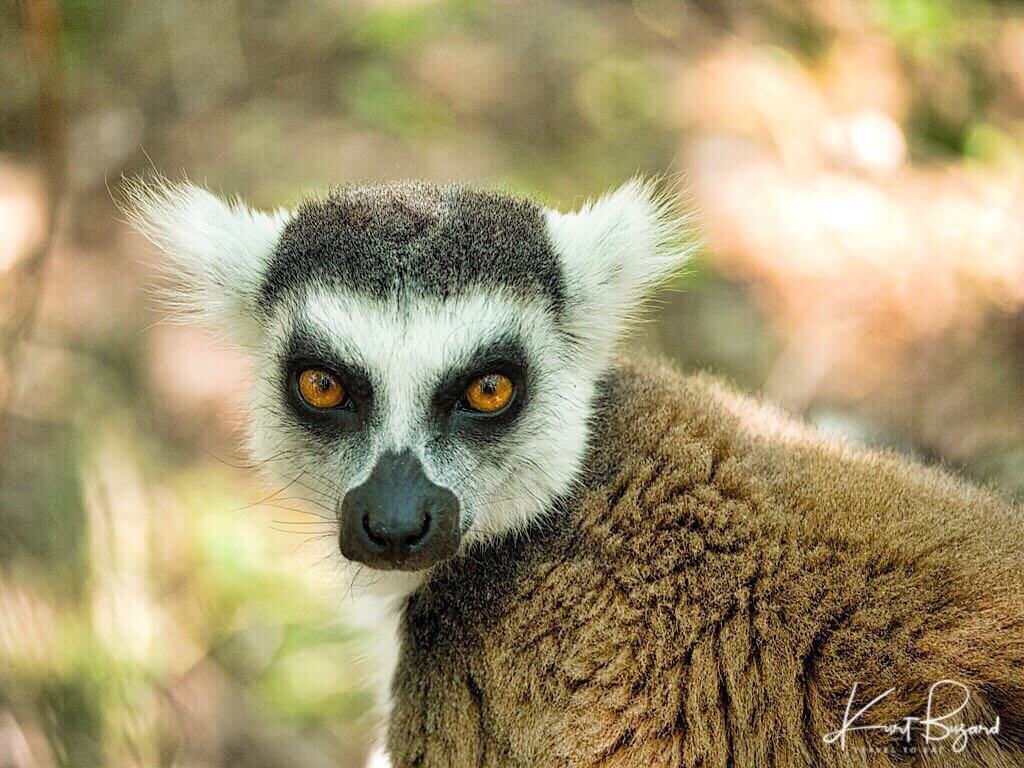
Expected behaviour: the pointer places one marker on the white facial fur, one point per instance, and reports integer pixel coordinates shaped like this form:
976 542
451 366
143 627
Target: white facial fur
406 350
611 252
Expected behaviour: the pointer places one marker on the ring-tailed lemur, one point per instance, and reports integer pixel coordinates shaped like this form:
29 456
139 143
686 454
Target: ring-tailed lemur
596 563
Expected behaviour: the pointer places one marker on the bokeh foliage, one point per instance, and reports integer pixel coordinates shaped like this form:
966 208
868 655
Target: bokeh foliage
155 607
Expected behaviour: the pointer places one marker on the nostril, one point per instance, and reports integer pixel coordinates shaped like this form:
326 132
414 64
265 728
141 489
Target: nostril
415 537
387 535
375 537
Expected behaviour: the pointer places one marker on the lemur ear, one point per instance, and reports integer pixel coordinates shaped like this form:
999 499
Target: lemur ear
216 252
614 251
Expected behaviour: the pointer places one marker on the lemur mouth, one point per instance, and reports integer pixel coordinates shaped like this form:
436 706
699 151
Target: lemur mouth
398 520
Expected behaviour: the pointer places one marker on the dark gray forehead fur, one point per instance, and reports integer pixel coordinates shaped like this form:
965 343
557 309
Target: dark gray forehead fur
391 241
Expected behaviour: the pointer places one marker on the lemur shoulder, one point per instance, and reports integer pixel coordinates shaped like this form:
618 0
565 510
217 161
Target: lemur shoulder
708 597
595 562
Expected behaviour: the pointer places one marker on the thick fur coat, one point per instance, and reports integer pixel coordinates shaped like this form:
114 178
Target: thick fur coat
710 591
709 596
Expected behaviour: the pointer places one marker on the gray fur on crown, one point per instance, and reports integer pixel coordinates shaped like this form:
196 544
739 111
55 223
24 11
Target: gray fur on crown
387 241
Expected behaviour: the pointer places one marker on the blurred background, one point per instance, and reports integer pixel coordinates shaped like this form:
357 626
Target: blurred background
855 170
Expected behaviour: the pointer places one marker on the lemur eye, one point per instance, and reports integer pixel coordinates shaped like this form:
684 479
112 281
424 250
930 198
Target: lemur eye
489 394
320 388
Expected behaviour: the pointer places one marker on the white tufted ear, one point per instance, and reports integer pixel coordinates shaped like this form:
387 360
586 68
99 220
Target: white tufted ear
216 252
614 251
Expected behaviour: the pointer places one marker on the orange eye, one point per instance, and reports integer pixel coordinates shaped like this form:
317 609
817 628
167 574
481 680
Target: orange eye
320 388
489 393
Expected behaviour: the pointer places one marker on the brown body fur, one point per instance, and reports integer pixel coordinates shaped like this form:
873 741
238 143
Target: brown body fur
709 597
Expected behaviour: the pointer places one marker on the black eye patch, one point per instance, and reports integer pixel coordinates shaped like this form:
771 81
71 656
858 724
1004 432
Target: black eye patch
305 350
506 357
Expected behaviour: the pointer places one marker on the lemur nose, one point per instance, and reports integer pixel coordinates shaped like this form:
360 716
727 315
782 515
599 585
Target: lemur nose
398 518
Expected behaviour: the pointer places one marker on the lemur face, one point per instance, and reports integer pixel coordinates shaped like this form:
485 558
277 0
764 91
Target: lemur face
426 357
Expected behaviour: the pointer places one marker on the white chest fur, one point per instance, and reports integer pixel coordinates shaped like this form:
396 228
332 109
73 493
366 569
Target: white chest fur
378 609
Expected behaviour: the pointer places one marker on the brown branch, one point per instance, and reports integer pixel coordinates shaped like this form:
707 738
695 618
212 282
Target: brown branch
43 30
43 37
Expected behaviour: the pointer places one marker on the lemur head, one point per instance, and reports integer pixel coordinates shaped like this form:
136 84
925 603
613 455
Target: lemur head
426 356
